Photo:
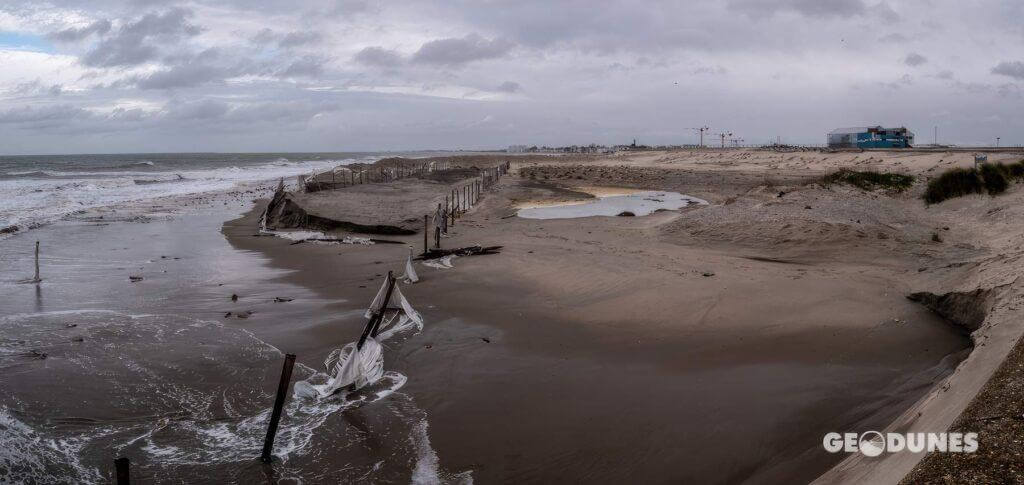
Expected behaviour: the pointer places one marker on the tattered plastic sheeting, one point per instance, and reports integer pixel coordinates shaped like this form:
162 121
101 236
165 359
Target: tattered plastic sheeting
441 220
357 368
356 240
400 321
348 366
444 262
410 275
407 309
318 237
378 301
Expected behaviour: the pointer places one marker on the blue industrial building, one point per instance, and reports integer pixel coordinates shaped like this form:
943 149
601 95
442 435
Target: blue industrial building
871 137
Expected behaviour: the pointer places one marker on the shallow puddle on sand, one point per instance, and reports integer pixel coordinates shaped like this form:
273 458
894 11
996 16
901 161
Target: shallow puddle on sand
637 202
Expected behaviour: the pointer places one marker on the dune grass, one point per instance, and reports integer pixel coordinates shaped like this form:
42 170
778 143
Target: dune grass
871 180
991 178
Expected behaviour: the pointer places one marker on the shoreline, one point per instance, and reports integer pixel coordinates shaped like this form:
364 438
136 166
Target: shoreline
491 213
584 344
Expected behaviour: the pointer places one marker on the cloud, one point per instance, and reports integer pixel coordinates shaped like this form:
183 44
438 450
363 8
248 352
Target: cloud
378 57
286 41
130 45
1008 90
884 12
36 87
306 66
509 87
455 52
809 8
73 34
895 37
294 39
716 70
43 114
198 110
1014 69
181 76
423 71
186 71
264 36
914 59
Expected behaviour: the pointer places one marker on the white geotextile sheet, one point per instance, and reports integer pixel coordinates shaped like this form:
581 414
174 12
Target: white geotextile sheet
410 275
444 262
348 366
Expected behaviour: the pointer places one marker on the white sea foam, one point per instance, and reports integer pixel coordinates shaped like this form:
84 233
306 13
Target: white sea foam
26 456
36 197
182 425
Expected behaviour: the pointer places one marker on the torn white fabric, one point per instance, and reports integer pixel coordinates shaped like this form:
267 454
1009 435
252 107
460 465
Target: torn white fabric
400 320
353 368
410 275
357 240
444 262
441 220
315 236
348 366
378 301
408 309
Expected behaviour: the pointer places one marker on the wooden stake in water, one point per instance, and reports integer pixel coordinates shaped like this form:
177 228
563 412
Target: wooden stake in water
275 416
121 471
37 280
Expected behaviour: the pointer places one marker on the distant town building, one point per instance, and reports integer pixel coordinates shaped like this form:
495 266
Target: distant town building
517 149
871 137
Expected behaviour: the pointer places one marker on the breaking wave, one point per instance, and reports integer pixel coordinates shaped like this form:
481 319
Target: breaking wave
33 197
192 399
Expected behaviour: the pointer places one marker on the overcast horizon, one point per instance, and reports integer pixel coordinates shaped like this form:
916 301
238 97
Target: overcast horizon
113 76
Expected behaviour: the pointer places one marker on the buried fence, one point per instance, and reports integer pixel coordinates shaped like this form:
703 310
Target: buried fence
339 177
457 202
460 200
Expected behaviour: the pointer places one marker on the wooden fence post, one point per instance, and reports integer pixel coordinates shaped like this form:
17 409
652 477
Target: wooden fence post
275 416
121 471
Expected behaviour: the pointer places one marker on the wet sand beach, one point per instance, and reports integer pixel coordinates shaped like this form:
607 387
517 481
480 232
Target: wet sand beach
623 349
715 343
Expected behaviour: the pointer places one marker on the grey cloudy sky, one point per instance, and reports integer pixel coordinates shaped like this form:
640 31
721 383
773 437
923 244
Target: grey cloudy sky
295 75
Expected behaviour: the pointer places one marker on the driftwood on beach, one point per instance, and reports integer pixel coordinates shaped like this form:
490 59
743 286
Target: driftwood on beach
466 251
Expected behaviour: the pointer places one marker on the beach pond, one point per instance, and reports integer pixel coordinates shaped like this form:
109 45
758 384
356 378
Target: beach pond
612 203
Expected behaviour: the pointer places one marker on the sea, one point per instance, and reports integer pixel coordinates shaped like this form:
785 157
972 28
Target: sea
127 347
41 189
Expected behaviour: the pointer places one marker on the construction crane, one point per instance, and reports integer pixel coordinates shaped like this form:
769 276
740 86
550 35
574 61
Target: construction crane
701 130
723 136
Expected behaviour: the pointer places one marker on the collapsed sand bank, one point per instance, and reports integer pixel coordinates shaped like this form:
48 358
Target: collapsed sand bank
798 271
968 273
395 207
